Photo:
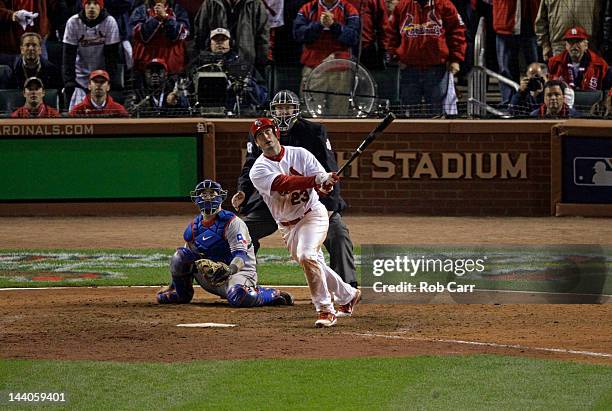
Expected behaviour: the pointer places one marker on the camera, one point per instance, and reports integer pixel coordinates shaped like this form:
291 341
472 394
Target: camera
535 84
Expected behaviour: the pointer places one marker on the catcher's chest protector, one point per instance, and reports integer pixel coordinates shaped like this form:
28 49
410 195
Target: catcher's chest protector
210 240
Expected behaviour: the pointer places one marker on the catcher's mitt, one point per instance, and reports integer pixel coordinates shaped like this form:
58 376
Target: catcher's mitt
215 273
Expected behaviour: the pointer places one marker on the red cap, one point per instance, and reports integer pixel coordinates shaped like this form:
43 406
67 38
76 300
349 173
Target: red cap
263 123
100 2
161 62
99 73
575 33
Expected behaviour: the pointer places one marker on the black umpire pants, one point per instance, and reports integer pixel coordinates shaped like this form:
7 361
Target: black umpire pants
338 242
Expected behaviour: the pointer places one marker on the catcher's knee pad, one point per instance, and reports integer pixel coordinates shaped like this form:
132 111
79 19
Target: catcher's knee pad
181 263
241 296
180 292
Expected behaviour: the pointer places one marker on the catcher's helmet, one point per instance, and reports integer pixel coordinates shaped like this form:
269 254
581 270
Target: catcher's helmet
263 123
208 196
285 119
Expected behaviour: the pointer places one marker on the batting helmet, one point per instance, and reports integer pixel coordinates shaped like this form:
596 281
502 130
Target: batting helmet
262 124
285 118
208 196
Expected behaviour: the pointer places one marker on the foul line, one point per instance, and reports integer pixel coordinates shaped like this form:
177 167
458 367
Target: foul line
487 344
120 286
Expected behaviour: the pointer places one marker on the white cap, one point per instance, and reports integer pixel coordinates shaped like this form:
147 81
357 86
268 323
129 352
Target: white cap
220 30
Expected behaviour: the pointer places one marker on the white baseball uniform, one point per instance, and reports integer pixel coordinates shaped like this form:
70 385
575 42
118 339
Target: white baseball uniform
303 222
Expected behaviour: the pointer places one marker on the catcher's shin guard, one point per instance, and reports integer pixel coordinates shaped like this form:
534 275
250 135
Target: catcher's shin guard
241 296
179 292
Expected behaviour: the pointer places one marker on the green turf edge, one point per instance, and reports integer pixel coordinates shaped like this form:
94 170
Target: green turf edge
481 382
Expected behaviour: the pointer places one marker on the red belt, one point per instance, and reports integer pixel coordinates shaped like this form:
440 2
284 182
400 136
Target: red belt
297 220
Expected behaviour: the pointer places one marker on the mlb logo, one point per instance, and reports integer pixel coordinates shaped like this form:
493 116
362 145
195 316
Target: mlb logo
593 171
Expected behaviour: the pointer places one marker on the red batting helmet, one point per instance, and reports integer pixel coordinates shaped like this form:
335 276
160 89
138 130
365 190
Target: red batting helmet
263 123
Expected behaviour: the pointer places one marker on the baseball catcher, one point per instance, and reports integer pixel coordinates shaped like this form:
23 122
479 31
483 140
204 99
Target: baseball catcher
218 253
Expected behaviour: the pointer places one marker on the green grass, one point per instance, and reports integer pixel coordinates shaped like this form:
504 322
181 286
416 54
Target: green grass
469 382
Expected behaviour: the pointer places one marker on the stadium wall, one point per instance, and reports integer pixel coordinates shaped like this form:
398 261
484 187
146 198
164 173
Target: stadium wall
424 167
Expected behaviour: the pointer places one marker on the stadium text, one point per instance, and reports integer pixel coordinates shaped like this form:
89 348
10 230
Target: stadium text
47 130
415 165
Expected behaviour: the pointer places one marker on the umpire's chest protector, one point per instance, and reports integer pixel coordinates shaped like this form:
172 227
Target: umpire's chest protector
210 238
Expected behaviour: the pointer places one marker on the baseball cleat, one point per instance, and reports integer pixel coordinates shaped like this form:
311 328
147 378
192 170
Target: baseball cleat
325 320
346 310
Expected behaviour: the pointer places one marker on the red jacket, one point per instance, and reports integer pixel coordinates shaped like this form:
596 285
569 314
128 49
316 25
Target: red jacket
320 43
165 39
426 36
87 109
42 112
505 20
374 17
593 70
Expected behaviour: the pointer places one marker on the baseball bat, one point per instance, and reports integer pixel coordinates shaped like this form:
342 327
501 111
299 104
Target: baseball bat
366 142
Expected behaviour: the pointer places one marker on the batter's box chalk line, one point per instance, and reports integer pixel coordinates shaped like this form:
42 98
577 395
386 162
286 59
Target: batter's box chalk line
207 325
486 344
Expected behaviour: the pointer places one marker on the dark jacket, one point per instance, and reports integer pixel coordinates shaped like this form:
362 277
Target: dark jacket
522 104
566 112
250 31
606 45
145 102
306 134
49 73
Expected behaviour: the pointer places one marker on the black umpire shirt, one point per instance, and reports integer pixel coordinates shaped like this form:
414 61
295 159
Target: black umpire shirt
307 134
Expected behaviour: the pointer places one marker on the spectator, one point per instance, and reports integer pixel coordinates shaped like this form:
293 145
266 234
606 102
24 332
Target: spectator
579 67
160 28
91 41
554 105
428 39
242 78
34 93
20 16
555 17
327 29
531 90
120 10
285 50
513 21
98 103
374 21
32 64
606 44
158 95
247 22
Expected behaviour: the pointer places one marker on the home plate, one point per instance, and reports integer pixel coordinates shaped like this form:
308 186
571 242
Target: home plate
206 325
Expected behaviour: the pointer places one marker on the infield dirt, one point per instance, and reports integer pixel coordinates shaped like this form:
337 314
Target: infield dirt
124 324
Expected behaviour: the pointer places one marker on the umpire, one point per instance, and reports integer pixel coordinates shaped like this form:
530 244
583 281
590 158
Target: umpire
295 131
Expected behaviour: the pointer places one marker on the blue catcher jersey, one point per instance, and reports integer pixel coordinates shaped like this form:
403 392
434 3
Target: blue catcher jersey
209 239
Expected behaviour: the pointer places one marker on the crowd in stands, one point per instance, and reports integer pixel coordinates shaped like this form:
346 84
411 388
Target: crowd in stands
166 57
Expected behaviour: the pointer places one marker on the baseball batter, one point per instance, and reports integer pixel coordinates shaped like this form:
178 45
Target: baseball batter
217 235
289 180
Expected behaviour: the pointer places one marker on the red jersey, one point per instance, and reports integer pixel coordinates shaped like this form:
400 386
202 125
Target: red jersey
87 109
591 73
374 21
320 42
506 19
43 111
429 35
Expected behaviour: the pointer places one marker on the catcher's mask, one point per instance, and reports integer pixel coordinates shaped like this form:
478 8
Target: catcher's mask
285 117
208 196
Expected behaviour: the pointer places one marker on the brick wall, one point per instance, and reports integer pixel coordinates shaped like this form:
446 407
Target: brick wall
401 180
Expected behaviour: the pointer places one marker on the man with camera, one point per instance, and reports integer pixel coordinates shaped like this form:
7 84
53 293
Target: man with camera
530 94
243 90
